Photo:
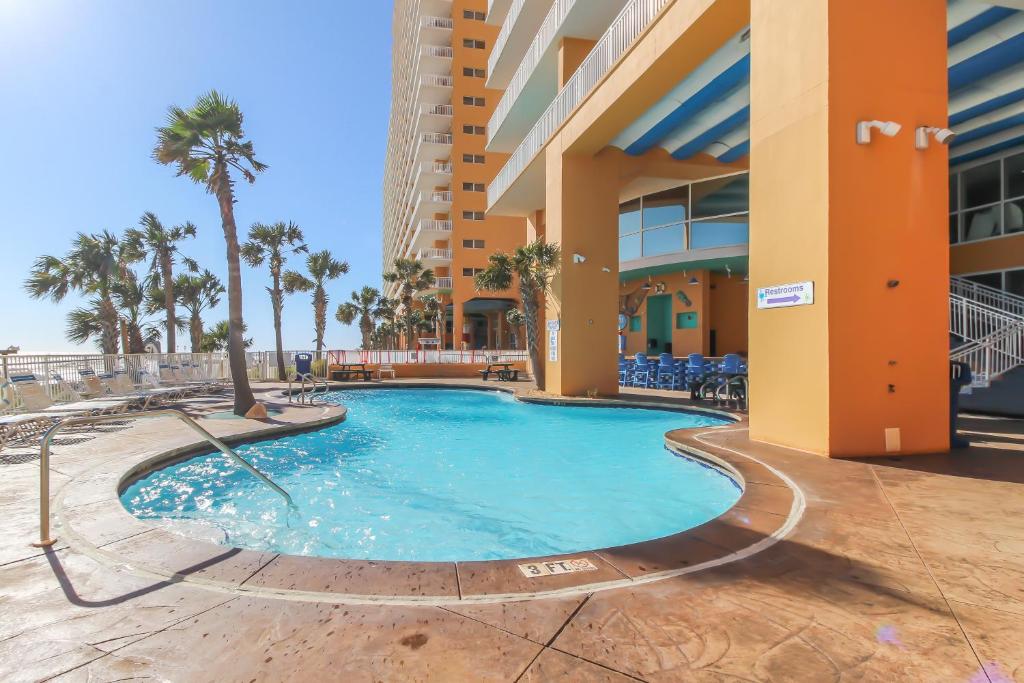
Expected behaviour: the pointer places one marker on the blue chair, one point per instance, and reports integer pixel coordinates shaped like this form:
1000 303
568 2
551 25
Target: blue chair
643 371
667 372
625 373
696 374
303 365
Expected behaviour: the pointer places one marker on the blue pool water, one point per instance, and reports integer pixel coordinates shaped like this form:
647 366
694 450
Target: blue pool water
442 475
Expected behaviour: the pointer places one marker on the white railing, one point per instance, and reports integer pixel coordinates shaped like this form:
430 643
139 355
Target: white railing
972 321
437 22
435 225
990 296
993 355
506 30
438 109
401 357
437 138
627 27
445 196
443 283
434 254
437 81
436 167
437 51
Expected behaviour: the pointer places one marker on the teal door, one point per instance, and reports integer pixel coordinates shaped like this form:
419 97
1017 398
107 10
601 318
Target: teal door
659 323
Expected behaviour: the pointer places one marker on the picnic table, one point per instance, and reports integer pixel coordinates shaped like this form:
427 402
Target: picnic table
504 371
347 371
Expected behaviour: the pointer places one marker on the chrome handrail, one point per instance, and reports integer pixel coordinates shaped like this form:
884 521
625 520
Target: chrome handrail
308 376
46 541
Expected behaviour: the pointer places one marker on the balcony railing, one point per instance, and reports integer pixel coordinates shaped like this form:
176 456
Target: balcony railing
437 109
436 81
440 196
504 33
432 225
437 138
434 255
437 51
437 22
436 167
443 283
626 28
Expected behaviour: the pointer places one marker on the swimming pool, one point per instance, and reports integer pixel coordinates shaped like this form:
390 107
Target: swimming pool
446 475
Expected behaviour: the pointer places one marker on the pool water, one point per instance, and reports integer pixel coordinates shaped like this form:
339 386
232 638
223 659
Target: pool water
444 475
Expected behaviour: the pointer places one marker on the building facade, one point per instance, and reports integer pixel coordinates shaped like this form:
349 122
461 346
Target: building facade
689 154
437 169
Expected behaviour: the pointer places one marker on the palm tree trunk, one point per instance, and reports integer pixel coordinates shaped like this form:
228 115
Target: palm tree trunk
530 312
166 274
244 399
366 327
320 318
109 325
196 332
277 301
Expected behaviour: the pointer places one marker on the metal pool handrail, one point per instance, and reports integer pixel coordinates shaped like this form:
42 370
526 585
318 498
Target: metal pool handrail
302 390
46 541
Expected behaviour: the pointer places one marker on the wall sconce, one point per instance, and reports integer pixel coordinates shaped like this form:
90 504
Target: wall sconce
606 269
886 128
579 258
647 285
694 281
943 136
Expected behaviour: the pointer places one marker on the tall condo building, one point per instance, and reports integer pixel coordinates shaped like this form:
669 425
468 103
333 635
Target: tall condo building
438 170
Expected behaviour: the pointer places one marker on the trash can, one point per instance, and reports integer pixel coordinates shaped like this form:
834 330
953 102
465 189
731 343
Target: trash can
959 377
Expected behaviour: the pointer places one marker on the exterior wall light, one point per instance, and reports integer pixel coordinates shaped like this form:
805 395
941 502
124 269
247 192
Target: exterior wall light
943 136
886 128
579 258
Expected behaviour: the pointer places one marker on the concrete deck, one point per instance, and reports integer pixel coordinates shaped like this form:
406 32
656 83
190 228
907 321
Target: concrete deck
900 569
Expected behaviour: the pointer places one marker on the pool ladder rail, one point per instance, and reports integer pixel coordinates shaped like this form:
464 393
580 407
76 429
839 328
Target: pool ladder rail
45 540
314 383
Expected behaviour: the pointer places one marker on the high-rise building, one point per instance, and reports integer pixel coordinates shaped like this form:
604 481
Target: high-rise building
437 169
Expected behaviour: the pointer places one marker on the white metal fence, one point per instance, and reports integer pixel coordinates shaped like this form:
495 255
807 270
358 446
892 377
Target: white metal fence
989 296
991 322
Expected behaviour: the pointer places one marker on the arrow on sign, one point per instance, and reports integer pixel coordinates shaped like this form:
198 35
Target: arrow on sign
791 299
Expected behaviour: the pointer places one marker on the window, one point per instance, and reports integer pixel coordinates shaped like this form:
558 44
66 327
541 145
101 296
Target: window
474 73
473 158
471 272
473 44
474 101
474 187
473 215
712 213
475 16
473 130
987 200
1011 281
473 244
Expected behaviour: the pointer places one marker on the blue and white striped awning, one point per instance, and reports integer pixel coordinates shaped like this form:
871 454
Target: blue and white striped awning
709 111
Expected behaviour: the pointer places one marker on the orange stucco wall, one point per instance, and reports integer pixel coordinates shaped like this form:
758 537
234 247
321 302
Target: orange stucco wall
728 313
832 377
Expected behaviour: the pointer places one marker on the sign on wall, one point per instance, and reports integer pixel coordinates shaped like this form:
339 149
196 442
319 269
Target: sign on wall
553 340
783 296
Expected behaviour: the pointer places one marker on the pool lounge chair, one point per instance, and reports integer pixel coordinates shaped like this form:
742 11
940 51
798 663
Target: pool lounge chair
18 426
388 368
35 399
149 381
121 385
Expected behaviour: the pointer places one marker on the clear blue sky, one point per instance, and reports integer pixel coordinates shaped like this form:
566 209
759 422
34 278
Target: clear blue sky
84 83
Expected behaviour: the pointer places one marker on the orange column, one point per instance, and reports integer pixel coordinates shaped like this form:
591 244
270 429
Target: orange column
863 370
581 215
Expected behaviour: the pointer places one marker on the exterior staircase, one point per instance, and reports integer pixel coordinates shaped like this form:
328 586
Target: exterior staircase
986 327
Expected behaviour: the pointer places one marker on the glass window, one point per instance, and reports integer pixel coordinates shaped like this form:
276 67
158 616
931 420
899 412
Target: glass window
1013 219
721 196
954 233
629 217
982 223
665 240
666 207
629 247
1015 176
954 197
981 185
987 279
719 233
1015 282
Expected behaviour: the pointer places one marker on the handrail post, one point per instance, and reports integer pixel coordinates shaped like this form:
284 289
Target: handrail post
45 541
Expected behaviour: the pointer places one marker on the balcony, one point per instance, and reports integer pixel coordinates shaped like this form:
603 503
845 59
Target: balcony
434 255
436 168
497 11
535 82
440 23
436 80
435 88
434 228
443 283
437 197
627 27
517 31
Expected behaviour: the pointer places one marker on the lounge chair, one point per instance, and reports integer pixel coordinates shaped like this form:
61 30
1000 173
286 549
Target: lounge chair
150 381
16 426
386 367
35 399
120 385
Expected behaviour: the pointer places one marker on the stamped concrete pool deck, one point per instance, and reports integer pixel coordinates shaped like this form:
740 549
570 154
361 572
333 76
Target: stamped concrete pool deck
895 569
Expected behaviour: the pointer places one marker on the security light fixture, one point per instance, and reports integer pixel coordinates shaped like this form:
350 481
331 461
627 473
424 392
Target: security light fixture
694 280
647 285
886 128
579 258
943 136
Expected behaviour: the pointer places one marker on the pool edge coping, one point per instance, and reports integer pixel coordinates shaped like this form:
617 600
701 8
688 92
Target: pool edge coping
690 442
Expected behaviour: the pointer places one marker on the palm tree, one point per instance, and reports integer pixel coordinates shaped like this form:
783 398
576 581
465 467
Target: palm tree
205 142
413 278
533 265
160 243
436 313
91 267
134 304
322 267
218 337
362 307
197 293
385 313
272 243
